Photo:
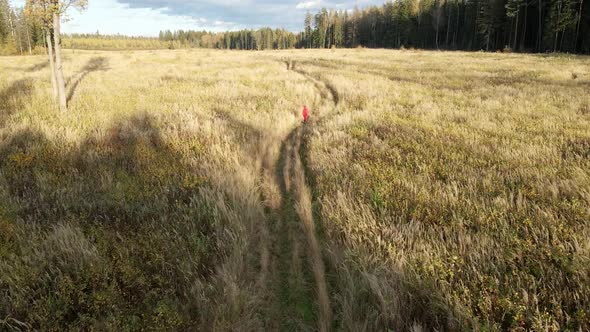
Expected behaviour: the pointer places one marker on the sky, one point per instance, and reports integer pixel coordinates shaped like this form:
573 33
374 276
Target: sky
149 17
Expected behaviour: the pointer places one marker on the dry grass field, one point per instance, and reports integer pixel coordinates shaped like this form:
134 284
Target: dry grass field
430 191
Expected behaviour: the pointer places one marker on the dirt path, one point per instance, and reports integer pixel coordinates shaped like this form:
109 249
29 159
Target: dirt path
294 261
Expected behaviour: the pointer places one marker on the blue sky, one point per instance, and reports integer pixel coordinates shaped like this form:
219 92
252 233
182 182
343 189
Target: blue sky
148 17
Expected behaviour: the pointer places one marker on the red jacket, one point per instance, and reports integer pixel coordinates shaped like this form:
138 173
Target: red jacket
305 113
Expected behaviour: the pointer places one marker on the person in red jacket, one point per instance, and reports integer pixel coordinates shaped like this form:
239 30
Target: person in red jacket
305 114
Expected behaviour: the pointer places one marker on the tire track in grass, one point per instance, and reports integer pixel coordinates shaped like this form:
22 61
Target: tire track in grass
294 283
291 271
295 218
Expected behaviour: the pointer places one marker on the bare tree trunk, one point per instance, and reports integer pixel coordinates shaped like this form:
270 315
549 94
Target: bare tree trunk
474 38
14 34
374 34
437 28
557 29
11 26
398 33
526 14
456 25
540 31
450 12
28 38
51 61
509 34
578 27
516 31
58 64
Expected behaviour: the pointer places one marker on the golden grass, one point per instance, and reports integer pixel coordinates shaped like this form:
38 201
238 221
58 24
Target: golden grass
457 186
450 190
155 171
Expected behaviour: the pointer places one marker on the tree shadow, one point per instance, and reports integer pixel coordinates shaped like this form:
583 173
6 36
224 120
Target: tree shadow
138 197
37 67
119 171
245 133
93 65
13 97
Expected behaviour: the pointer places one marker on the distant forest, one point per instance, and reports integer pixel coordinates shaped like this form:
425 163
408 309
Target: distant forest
261 39
518 25
491 25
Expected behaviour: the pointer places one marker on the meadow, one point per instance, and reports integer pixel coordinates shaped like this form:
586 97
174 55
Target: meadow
181 191
114 43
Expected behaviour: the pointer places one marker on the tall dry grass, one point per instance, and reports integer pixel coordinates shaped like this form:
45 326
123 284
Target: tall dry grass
445 191
141 207
454 189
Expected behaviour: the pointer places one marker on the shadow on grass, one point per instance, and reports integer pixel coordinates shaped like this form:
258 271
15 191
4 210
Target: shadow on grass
136 204
242 130
37 67
13 97
119 176
423 304
94 65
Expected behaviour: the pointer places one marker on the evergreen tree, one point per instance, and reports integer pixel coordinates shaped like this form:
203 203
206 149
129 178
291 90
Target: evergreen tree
561 18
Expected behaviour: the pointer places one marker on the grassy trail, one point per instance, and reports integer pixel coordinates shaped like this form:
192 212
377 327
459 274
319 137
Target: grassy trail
299 278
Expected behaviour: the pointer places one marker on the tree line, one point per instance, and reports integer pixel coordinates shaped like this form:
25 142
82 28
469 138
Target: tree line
519 25
261 39
491 25
97 41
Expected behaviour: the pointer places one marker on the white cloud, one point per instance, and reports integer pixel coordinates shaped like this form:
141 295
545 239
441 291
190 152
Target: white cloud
112 17
309 4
